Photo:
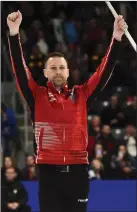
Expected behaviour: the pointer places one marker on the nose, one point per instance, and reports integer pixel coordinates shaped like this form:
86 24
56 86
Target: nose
58 71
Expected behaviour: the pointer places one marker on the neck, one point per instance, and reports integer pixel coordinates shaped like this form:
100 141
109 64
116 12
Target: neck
58 88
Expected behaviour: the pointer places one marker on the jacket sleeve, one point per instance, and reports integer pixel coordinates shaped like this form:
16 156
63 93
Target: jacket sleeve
25 83
100 78
4 197
22 196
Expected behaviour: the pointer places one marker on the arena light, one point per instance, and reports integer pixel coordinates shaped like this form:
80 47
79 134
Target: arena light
117 131
119 89
105 103
126 31
89 117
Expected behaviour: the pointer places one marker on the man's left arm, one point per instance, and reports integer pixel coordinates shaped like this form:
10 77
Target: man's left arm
100 78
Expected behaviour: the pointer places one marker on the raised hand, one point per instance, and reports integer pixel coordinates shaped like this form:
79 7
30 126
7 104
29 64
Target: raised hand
119 27
14 20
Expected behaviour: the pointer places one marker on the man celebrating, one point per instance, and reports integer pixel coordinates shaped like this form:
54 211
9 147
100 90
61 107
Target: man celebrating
59 120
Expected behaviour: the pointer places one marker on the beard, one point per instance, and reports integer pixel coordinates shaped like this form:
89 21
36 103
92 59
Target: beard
59 81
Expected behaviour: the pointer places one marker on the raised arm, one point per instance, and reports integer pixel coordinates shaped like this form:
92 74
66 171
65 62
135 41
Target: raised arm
100 78
25 83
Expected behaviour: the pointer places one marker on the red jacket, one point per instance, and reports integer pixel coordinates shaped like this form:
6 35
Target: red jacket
59 119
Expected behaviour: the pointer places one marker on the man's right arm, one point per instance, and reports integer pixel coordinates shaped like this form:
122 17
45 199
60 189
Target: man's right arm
19 67
25 83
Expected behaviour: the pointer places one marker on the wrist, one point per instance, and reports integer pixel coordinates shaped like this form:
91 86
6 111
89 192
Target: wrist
118 38
13 32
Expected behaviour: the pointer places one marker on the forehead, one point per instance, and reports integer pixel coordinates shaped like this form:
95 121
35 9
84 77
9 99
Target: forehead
7 159
56 61
29 157
98 145
114 97
106 127
122 147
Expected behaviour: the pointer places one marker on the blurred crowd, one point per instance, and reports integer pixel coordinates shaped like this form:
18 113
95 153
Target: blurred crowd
112 145
82 32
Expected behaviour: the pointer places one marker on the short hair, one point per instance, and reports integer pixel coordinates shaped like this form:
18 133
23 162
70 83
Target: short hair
29 155
55 54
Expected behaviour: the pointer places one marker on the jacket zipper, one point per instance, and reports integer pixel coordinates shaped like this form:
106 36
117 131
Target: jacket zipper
63 130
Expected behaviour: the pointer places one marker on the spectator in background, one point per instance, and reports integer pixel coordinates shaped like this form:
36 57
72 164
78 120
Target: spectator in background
81 58
115 115
23 36
96 169
8 162
42 44
75 78
60 47
71 32
10 132
132 146
14 194
32 34
58 29
98 151
78 59
29 172
130 140
95 126
123 165
93 33
5 133
107 140
131 112
103 157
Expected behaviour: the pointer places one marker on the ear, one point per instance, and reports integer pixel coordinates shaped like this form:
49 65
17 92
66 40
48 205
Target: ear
45 73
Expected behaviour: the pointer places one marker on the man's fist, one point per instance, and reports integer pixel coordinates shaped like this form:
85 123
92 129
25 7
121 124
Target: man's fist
14 21
119 27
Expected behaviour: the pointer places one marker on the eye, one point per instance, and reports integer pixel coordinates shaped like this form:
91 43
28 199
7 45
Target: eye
53 68
62 67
